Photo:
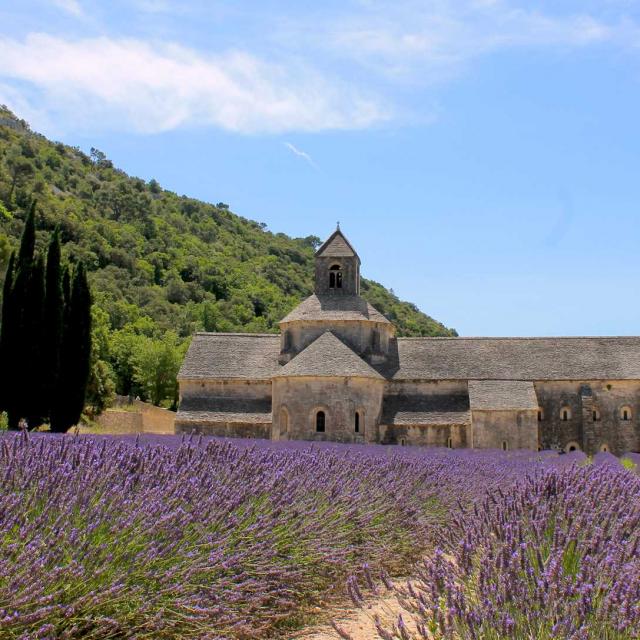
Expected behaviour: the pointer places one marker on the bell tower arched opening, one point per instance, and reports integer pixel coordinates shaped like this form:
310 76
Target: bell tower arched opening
335 276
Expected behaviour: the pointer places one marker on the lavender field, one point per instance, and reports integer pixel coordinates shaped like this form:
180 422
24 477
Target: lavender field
161 538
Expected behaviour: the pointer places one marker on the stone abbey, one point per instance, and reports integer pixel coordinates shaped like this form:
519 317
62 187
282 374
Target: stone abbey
338 372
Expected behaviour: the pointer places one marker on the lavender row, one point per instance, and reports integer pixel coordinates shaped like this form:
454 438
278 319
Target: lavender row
109 538
557 555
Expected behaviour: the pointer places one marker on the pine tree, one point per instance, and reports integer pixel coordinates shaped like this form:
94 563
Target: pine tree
53 322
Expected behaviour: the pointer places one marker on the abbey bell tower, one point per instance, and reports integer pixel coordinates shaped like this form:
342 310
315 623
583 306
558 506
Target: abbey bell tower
337 267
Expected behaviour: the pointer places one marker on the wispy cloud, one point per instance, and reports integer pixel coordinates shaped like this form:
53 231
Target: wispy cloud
70 6
156 87
352 66
434 39
301 154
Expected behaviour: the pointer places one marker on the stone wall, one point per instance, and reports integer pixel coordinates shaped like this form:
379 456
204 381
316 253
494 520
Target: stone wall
155 419
357 335
250 389
140 417
226 429
515 429
296 402
350 268
444 435
582 398
120 422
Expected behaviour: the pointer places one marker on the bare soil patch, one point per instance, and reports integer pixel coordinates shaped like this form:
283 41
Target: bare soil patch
360 623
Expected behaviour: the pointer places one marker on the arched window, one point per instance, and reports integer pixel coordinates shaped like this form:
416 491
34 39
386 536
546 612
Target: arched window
504 445
402 442
450 443
540 415
595 414
356 422
572 446
604 448
320 421
565 414
625 413
335 277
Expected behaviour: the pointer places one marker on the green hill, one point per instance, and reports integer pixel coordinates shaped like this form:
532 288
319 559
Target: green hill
160 263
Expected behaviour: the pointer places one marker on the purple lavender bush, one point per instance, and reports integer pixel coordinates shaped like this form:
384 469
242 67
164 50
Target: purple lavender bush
101 538
557 555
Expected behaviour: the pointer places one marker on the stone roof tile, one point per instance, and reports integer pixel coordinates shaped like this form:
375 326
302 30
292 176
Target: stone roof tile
246 356
414 410
336 246
337 307
328 356
255 357
502 395
600 358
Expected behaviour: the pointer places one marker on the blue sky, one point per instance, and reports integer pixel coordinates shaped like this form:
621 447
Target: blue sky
482 155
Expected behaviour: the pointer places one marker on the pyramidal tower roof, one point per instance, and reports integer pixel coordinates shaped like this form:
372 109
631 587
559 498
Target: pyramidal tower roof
328 356
337 246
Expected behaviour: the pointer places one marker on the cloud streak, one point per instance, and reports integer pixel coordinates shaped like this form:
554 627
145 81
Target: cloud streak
433 40
358 65
72 7
150 87
301 154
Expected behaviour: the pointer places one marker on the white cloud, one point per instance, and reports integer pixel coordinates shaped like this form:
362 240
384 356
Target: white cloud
127 83
432 39
331 69
301 154
70 6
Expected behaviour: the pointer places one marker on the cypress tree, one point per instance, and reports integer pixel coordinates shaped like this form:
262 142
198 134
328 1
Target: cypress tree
75 355
52 330
59 397
17 365
32 393
6 334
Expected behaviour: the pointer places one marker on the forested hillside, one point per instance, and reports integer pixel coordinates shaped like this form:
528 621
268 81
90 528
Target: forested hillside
161 265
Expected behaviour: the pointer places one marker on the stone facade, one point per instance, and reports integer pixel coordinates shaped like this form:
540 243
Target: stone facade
589 415
338 372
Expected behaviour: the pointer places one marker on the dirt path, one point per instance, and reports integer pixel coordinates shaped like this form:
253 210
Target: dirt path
359 624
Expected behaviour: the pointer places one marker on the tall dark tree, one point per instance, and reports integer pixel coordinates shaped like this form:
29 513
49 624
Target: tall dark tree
58 409
75 354
18 304
32 361
52 329
6 334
